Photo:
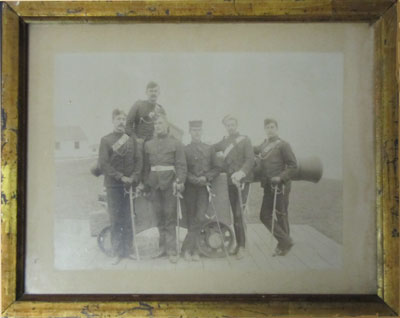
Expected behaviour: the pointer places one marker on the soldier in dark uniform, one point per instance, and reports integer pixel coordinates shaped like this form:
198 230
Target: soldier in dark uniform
277 164
238 156
120 160
202 169
165 173
141 117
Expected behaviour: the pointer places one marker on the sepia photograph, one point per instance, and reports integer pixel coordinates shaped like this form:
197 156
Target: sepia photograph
201 168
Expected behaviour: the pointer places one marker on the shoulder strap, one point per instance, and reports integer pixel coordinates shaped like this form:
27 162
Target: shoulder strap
232 145
120 142
266 152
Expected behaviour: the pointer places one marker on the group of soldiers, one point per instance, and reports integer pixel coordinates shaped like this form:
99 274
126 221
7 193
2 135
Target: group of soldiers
141 154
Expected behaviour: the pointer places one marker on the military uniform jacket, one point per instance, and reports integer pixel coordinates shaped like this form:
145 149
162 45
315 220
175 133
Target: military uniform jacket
140 119
240 157
276 160
164 151
201 161
114 163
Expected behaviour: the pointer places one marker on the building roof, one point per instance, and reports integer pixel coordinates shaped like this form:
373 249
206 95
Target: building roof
175 131
70 133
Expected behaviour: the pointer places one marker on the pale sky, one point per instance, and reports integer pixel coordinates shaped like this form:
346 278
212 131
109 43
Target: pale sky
303 91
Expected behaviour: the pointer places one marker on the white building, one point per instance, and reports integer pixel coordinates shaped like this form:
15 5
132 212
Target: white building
71 142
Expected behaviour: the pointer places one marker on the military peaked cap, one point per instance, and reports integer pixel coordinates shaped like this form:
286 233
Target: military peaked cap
228 117
195 124
268 121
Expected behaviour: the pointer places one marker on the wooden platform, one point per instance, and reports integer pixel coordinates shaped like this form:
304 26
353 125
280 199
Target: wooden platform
75 249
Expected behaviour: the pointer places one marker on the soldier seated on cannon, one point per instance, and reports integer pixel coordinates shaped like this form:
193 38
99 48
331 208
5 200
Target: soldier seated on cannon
277 164
143 113
165 173
120 160
238 156
202 169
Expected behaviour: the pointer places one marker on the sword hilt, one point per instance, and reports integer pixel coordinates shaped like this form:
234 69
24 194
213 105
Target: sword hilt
210 193
275 187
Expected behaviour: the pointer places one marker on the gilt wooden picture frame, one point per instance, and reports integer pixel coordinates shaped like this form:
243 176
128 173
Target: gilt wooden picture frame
16 19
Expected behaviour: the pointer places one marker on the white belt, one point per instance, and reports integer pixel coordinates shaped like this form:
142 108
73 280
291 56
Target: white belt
162 168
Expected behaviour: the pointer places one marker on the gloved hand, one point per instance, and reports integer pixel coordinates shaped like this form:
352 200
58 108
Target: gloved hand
143 189
178 187
202 180
127 180
140 188
238 176
276 180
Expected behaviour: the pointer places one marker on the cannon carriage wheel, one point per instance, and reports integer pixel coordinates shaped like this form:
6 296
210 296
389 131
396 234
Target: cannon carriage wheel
104 241
209 240
211 243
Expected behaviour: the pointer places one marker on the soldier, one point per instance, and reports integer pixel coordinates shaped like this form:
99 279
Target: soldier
140 120
277 165
202 169
141 117
238 156
120 160
165 173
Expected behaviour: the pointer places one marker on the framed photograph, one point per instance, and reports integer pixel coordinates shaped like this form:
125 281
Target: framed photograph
186 158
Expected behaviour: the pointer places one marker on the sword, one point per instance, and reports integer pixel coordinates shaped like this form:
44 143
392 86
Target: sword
275 187
179 196
210 200
246 208
239 186
274 211
133 215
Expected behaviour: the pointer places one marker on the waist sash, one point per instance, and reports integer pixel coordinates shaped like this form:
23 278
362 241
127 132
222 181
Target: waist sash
162 168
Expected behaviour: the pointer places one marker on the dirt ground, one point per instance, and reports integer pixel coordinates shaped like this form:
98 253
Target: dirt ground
318 205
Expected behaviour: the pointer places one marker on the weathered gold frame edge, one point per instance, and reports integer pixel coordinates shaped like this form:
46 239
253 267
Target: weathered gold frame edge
16 16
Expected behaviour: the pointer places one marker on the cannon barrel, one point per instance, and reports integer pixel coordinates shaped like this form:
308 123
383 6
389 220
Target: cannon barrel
308 169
